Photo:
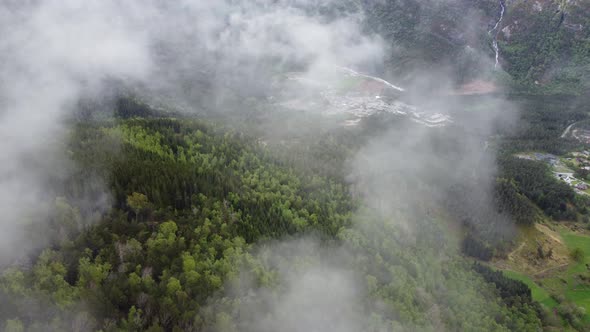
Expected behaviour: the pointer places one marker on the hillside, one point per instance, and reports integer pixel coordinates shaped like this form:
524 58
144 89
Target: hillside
295 165
542 45
546 43
190 241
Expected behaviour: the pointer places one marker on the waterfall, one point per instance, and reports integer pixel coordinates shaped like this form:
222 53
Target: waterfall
496 32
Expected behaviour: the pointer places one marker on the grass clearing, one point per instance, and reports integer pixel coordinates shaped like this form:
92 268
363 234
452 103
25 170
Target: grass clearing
570 280
539 294
578 290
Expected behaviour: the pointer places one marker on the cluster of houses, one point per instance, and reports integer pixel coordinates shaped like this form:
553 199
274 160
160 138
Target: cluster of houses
582 135
369 96
567 177
564 172
572 181
582 159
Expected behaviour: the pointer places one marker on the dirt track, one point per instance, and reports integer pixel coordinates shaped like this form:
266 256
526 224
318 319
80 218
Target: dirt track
545 230
567 130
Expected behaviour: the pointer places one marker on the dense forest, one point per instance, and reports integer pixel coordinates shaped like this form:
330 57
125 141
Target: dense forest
540 127
196 208
241 175
548 51
542 120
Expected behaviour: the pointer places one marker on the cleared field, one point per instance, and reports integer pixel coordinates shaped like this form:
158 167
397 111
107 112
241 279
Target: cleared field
539 294
578 290
567 279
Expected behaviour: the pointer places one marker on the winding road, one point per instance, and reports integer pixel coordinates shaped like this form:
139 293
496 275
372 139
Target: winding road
567 130
355 73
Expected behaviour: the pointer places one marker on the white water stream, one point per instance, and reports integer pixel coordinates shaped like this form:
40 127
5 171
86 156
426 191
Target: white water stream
496 31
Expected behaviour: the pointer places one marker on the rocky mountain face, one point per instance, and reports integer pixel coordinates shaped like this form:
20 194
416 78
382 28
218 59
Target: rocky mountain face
428 33
544 45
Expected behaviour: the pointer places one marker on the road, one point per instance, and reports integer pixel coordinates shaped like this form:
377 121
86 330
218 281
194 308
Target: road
510 255
355 73
540 273
567 130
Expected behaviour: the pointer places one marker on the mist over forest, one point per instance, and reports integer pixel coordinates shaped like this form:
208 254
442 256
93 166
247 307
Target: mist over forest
294 165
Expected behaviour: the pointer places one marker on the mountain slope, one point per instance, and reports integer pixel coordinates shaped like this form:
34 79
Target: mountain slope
543 45
189 246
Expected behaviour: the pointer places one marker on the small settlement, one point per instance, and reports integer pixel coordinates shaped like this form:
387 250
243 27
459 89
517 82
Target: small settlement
573 169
